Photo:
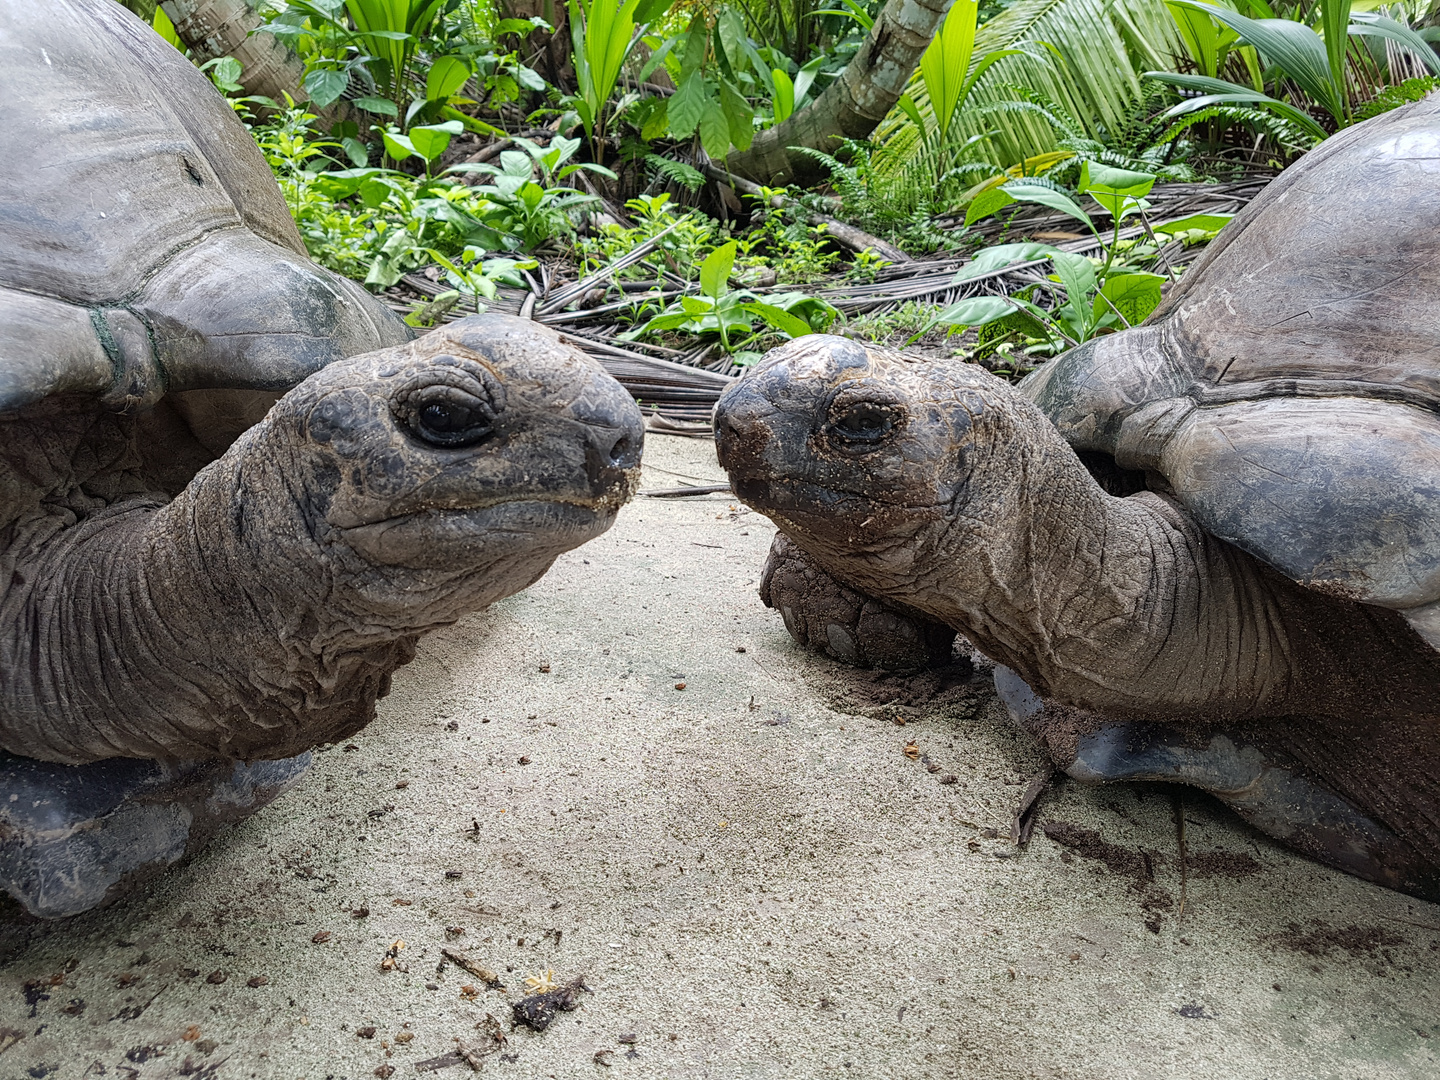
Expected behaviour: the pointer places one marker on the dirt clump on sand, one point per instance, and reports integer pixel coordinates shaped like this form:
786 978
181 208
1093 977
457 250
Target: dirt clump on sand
953 689
1226 864
1321 940
1136 864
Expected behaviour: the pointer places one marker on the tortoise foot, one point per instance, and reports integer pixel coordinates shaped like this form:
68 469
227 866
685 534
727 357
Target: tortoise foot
823 615
76 837
1267 791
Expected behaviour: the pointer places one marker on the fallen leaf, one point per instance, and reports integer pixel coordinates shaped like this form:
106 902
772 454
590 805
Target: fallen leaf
321 937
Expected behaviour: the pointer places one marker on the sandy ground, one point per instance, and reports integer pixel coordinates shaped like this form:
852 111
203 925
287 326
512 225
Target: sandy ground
752 881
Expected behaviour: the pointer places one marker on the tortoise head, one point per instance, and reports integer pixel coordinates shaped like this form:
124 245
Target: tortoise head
453 470
877 464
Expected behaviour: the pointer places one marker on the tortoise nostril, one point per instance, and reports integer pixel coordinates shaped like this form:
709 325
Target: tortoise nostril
622 454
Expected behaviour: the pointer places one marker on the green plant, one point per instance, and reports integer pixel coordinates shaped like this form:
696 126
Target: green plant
604 32
474 275
377 224
1084 56
683 240
1314 62
534 211
865 266
723 311
378 42
1096 296
1393 97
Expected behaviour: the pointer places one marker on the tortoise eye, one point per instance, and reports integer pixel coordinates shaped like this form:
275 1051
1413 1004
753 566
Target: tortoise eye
864 422
450 417
450 402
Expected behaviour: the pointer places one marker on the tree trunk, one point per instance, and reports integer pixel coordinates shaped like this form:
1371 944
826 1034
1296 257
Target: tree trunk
212 28
548 52
853 105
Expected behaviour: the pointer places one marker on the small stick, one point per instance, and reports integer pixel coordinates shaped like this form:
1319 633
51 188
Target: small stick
1024 821
683 492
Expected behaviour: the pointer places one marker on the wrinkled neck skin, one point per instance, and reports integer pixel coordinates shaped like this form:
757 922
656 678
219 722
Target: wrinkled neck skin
1122 606
233 621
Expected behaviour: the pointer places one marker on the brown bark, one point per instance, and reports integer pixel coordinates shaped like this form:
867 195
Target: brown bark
853 105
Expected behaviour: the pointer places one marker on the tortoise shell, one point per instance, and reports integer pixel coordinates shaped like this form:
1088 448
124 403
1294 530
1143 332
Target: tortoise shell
1286 391
145 248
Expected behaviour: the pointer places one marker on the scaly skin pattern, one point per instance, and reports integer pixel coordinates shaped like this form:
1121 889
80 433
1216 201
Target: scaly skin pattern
262 610
938 487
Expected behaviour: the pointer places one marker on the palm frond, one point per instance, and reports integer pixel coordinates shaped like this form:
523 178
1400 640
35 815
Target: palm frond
1082 58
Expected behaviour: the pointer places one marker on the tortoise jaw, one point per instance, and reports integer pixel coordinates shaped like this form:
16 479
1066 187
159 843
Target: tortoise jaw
450 537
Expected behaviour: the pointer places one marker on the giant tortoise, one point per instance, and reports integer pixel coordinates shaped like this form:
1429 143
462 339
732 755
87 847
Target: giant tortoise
233 494
1206 549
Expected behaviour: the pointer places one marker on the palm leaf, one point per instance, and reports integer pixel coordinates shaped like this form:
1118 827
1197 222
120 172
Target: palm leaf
1084 56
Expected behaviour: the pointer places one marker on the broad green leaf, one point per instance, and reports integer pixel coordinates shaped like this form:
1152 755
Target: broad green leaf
779 319
529 78
715 270
976 311
1001 256
658 122
739 117
1106 178
730 28
784 99
1020 191
430 140
447 75
378 105
647 11
1077 274
399 146
692 57
805 77
987 202
1135 296
325 85
818 313
355 150
1204 222
687 106
946 61
715 132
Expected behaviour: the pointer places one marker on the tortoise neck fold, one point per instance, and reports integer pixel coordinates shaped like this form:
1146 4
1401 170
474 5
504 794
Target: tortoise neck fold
1120 605
190 629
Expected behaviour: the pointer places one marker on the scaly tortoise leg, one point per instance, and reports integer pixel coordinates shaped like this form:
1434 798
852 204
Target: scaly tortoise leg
823 615
1264 786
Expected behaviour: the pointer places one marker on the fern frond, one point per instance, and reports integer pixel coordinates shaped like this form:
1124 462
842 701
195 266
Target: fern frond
676 172
1285 133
